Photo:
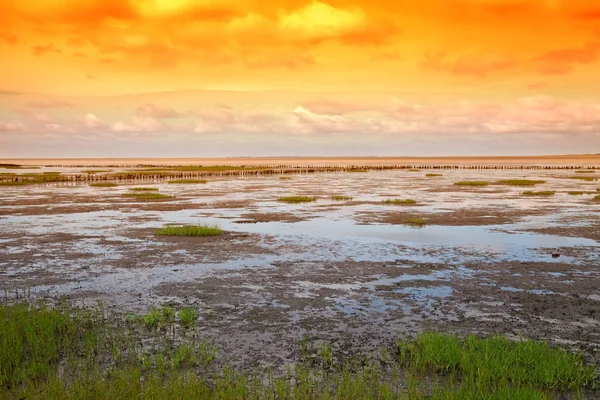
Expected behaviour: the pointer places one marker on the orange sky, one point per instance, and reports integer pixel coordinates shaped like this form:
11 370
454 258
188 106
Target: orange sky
339 76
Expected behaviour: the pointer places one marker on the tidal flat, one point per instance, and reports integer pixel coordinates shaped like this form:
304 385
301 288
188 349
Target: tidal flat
322 282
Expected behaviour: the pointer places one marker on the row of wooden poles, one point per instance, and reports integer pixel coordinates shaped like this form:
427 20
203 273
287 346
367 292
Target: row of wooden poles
270 170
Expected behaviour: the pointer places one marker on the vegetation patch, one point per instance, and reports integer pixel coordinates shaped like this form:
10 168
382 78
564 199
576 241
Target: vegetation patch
418 221
431 175
520 182
144 189
296 199
471 183
148 196
70 353
357 170
402 202
338 197
190 181
597 197
539 193
575 193
585 171
188 230
414 170
285 178
585 178
103 184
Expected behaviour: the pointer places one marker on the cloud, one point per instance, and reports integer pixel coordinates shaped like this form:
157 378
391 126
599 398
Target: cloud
157 110
138 125
91 121
50 104
476 65
43 49
11 126
562 61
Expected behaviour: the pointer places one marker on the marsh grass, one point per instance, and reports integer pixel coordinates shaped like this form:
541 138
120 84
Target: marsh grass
337 197
414 170
188 181
285 178
597 197
471 183
417 221
148 195
69 353
585 171
431 175
144 189
585 178
189 230
357 170
540 193
296 199
103 184
402 202
520 182
575 193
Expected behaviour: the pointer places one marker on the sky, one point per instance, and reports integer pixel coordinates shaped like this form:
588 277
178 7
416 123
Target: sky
213 78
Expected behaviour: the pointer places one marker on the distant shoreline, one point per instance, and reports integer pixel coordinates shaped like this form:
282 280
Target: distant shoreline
579 159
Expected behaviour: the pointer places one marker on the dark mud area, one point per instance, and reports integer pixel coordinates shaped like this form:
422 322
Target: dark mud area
348 273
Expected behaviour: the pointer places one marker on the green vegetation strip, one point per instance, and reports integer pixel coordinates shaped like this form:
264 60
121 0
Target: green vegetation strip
597 197
285 178
431 175
585 178
575 193
296 199
471 183
415 221
402 202
340 197
148 196
144 189
191 181
189 230
414 170
585 171
520 182
540 193
103 184
69 353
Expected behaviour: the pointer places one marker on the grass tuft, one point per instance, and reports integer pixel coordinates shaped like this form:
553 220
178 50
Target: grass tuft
585 178
296 199
414 170
340 197
189 230
575 193
540 193
471 183
402 202
185 181
597 197
148 196
103 184
431 174
285 178
520 182
585 171
187 317
415 221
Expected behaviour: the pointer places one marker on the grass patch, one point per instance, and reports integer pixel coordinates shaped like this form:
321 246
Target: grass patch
597 197
103 184
189 230
70 353
575 193
471 183
337 197
296 199
540 193
402 202
144 189
585 171
418 221
585 178
414 170
186 181
357 170
431 175
148 196
520 182
285 178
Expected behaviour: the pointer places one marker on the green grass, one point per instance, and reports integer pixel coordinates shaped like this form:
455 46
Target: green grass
147 195
296 199
402 202
597 197
585 171
414 170
540 193
575 193
186 181
103 184
337 197
285 178
415 221
189 230
144 189
585 178
431 175
71 353
471 183
520 182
